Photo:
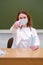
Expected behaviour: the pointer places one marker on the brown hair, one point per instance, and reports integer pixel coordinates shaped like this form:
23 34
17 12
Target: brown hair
28 16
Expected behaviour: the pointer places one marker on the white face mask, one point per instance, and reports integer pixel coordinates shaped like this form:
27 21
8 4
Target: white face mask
24 21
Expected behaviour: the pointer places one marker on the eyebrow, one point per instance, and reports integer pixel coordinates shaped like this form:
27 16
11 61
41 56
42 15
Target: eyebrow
22 17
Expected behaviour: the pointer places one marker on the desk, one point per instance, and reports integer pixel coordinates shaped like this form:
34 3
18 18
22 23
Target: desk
22 56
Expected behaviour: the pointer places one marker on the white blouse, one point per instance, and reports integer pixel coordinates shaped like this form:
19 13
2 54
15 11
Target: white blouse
24 37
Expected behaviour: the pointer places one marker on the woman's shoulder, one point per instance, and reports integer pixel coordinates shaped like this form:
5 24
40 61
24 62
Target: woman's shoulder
33 29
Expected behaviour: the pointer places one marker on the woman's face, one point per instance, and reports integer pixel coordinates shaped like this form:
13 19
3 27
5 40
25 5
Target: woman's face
22 16
23 19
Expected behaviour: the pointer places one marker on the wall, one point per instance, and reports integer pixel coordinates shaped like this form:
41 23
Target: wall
5 35
10 8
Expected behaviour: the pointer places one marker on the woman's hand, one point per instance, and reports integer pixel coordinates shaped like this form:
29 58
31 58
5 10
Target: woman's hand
17 24
34 47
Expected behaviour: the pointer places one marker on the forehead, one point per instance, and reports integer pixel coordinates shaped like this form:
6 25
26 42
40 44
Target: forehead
22 15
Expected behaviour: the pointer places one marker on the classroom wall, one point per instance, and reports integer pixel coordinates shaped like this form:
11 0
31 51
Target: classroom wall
8 13
5 36
10 8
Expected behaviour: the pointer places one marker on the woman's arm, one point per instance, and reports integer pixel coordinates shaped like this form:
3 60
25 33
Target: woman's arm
36 42
14 27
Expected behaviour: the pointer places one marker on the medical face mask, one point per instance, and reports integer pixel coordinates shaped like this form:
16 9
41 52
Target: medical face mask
24 21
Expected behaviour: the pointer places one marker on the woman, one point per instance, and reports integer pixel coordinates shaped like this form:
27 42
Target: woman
25 35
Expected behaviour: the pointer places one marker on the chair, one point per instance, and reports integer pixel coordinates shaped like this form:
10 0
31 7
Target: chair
10 42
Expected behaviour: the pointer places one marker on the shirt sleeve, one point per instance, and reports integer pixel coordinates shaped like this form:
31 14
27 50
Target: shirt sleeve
35 35
13 30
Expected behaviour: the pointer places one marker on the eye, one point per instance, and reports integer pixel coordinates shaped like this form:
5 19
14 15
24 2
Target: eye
20 18
24 17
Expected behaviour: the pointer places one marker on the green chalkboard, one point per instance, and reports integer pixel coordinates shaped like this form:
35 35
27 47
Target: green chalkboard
10 8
